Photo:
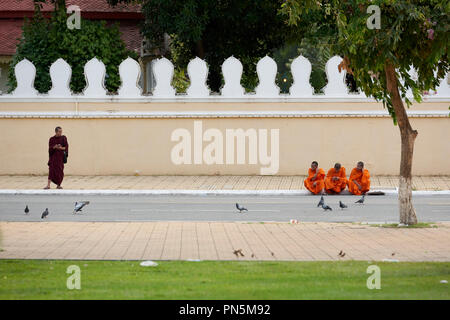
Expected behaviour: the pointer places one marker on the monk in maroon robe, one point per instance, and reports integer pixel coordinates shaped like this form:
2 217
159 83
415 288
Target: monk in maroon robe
57 145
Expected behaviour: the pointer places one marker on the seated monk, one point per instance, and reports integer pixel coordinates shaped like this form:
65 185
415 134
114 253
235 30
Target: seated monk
314 182
359 181
335 181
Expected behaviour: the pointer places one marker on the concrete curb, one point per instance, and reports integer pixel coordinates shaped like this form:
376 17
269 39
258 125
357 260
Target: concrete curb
193 192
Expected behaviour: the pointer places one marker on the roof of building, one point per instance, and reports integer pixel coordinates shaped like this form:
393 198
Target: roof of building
12 13
85 5
10 31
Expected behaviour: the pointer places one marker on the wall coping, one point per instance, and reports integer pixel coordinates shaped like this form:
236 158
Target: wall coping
283 98
216 114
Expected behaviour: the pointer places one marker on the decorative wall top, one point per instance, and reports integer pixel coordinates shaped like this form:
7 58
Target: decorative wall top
25 73
163 70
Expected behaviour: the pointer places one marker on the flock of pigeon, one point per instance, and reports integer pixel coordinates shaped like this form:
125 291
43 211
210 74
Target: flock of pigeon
80 205
341 204
320 204
77 209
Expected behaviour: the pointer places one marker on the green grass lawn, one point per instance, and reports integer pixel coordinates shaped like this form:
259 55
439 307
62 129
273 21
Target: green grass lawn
413 226
42 279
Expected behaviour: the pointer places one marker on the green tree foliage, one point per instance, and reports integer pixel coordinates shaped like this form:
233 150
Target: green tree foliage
413 34
215 30
45 40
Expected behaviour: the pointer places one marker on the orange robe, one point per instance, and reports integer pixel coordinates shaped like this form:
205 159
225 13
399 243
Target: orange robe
363 178
309 183
338 185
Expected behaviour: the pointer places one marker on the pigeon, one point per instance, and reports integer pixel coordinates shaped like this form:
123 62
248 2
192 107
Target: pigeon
326 207
321 202
80 205
253 255
273 254
341 205
361 200
45 213
26 210
238 253
240 208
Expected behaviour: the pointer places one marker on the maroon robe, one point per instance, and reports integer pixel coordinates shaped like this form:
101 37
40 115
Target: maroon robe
56 159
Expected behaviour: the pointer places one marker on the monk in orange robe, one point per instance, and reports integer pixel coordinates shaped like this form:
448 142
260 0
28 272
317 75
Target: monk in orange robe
359 181
335 181
315 181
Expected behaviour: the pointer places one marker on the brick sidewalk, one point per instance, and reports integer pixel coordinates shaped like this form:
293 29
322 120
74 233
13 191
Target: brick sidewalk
217 241
205 182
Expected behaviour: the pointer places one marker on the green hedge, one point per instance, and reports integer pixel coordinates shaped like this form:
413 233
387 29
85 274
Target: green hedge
45 40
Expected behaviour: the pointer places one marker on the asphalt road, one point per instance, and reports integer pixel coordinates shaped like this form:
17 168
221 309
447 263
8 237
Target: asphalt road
431 208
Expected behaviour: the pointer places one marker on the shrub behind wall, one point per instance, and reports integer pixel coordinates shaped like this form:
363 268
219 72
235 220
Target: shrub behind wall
44 40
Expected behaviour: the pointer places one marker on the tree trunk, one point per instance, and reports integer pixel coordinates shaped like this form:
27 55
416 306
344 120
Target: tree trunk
200 49
408 136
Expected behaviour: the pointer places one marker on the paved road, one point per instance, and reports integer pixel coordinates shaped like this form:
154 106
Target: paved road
432 208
